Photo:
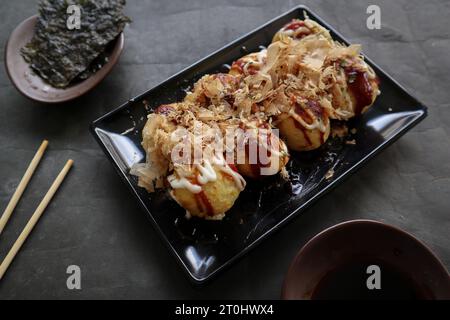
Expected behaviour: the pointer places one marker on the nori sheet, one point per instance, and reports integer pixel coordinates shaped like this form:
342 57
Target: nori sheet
60 55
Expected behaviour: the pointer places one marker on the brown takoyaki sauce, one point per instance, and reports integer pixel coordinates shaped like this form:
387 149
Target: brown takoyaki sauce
256 167
233 167
204 203
228 176
202 200
294 25
317 109
305 116
239 65
359 84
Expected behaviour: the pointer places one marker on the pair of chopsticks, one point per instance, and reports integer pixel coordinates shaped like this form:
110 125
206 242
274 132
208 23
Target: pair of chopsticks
39 210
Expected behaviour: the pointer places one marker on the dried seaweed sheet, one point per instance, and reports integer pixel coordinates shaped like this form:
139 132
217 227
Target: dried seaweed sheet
58 54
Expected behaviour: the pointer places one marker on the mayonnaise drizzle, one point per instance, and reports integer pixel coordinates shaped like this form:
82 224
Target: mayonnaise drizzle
238 179
256 59
224 167
316 124
183 183
206 172
261 56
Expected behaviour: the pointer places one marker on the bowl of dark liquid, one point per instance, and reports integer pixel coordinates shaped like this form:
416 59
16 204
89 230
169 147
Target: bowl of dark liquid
366 260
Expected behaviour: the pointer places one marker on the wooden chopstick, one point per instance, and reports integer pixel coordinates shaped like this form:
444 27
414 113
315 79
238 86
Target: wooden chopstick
34 218
22 185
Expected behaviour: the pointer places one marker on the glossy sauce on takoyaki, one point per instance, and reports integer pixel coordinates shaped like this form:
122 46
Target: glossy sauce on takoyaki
249 64
260 152
207 190
305 127
299 29
352 84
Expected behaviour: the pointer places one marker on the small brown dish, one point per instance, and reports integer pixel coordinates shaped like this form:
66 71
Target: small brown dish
34 87
338 264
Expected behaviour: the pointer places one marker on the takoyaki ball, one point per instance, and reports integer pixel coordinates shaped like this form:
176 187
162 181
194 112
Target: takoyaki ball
363 86
306 127
213 88
298 29
249 64
260 152
157 130
354 89
158 146
212 199
158 127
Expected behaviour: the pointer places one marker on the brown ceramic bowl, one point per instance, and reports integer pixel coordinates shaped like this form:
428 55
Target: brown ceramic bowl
31 85
345 242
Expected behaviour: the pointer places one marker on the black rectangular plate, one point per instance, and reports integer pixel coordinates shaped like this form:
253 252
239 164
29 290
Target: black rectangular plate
204 248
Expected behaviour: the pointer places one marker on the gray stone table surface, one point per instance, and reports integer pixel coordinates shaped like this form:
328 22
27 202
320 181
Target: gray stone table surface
94 222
